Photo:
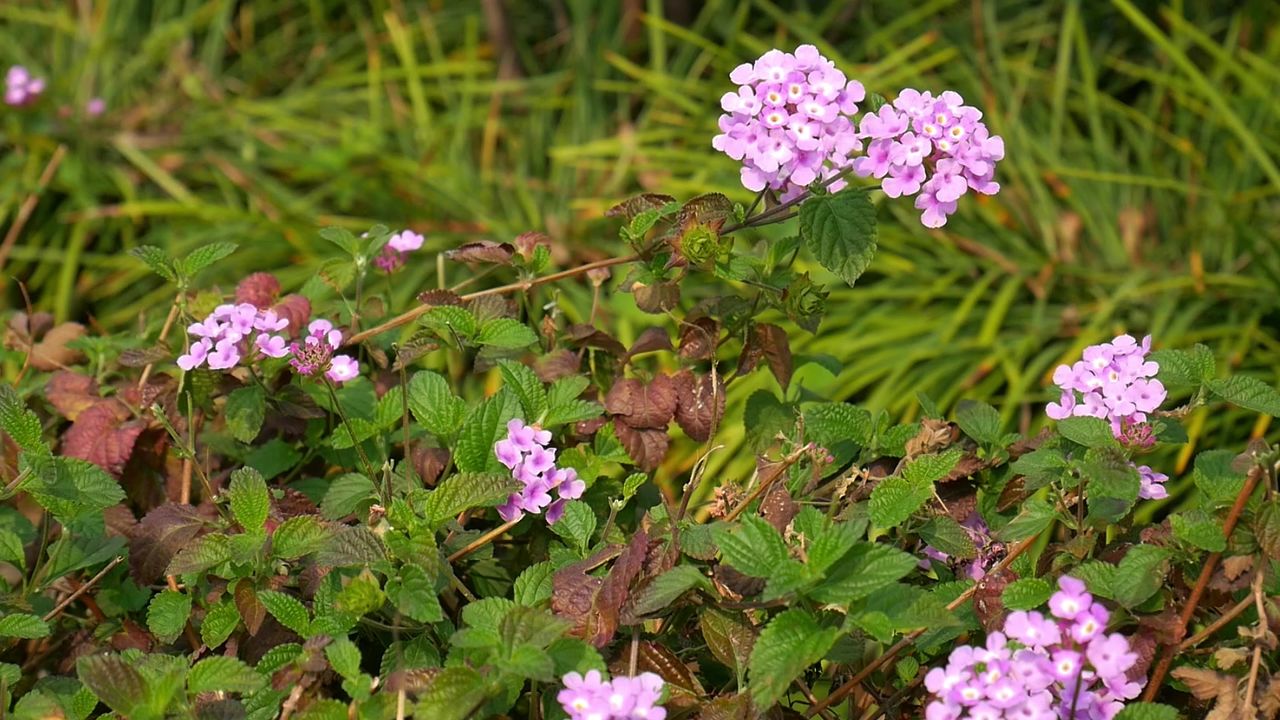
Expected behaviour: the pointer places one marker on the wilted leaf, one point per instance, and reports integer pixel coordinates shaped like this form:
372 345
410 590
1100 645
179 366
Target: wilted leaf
296 309
700 404
658 297
71 393
594 604
102 435
699 338
155 540
52 353
588 336
651 340
647 448
483 251
643 405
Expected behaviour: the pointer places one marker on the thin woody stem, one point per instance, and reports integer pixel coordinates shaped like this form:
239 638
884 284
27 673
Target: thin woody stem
483 540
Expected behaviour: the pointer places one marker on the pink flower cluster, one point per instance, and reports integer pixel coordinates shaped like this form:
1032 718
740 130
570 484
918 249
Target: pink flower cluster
1113 381
624 698
789 121
1040 668
987 546
230 332
21 87
526 453
1152 487
316 354
937 147
396 251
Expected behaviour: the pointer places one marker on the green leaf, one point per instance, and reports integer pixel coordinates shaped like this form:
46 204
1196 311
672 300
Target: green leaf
434 405
220 673
1036 515
246 409
791 642
533 586
344 657
729 637
577 525
413 594
485 425
204 256
1179 368
70 488
664 589
12 550
250 500
1040 467
466 491
867 568
219 622
565 404
1026 594
1249 393
449 321
352 546
157 260
288 610
979 421
1090 432
343 238
348 493
203 554
1216 478
945 534
506 333
278 657
21 424
896 498
1147 711
1139 575
753 547
840 231
1199 529
1266 528
298 536
1113 485
932 468
830 423
167 614
524 382
829 544
23 625
454 693
115 681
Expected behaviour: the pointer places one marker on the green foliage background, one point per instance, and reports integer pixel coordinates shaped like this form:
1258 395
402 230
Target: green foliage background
1140 189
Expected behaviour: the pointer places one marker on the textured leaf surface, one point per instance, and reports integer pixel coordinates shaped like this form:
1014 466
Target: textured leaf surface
840 231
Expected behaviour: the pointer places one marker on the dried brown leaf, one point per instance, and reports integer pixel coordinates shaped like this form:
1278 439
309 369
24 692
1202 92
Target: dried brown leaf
988 599
252 611
588 336
631 207
647 447
483 251
297 310
650 405
778 508
651 340
699 338
556 365
700 404
52 353
656 298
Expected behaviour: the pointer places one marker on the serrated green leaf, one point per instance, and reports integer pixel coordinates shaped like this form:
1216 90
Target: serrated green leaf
1112 485
298 536
348 493
203 554
1216 478
204 256
250 501
830 423
729 637
343 238
565 404
506 333
20 423
352 546
115 681
1035 516
1139 575
577 525
451 322
533 586
1026 593
1199 529
219 673
1266 529
791 642
434 405
69 488
753 547
932 468
11 549
156 259
664 589
344 657
413 594
632 485
524 382
1090 432
466 491
840 231
945 534
1040 467
288 610
1179 368
485 425
219 622
867 568
896 498
1147 711
278 657
245 410
1249 393
23 625
167 614
828 544
452 694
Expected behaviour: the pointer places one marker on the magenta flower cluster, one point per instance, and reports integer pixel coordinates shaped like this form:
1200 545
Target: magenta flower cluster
789 121
232 332
396 251
937 147
526 452
316 354
591 697
1065 666
21 87
1114 381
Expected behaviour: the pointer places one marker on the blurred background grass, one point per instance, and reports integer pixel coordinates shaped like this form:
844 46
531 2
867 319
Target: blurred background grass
1140 190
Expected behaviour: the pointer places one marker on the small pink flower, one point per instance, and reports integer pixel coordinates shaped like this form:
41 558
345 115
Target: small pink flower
195 357
342 368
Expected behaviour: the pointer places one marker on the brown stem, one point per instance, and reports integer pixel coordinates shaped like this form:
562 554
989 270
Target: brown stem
82 589
1206 574
29 206
164 332
849 686
776 472
1257 645
524 285
483 540
1216 625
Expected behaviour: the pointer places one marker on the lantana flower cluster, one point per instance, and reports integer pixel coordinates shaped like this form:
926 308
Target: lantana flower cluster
316 354
591 697
396 251
789 121
527 453
1064 666
230 334
1114 381
988 548
21 87
937 147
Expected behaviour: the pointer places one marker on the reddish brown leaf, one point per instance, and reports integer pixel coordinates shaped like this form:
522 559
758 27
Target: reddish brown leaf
967 467
729 637
141 357
699 338
252 611
22 331
593 604
101 435
527 242
656 298
556 365
483 251
588 336
660 660
71 393
643 405
297 310
705 209
733 584
988 599
631 207
778 508
700 404
429 463
259 289
52 353
647 447
651 340
439 297
158 537
777 351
